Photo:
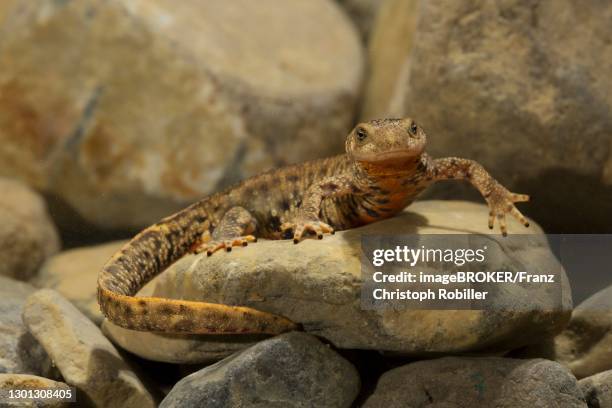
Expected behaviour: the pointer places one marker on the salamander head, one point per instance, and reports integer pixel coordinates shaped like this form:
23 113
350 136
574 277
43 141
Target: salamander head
386 141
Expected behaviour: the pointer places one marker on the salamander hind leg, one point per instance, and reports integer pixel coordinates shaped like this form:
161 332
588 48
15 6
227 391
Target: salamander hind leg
307 220
235 229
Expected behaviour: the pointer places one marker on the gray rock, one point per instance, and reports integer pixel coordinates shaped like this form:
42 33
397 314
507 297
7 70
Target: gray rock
318 283
20 352
291 370
168 103
86 359
74 274
597 390
477 382
32 382
518 85
585 345
27 236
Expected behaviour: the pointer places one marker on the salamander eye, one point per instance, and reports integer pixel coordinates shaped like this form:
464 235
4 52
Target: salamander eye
413 128
361 134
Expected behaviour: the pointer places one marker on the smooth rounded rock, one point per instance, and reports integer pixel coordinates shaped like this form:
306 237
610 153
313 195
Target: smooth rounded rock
28 235
477 382
585 345
173 348
20 352
318 284
158 103
86 359
74 274
291 370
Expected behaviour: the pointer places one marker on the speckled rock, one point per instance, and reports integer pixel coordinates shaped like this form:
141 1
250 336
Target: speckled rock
477 382
318 283
74 274
521 86
27 236
597 390
292 370
85 357
169 102
20 352
26 382
585 345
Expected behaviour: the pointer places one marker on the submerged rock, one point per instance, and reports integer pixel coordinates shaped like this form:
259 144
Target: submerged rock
477 382
318 283
86 359
291 370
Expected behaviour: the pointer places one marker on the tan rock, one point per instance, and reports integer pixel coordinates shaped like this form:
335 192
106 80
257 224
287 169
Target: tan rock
178 349
86 359
391 42
597 389
585 345
74 274
28 235
172 348
523 88
149 105
32 382
318 283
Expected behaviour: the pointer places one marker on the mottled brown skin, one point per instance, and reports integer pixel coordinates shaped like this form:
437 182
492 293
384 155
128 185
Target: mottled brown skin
383 171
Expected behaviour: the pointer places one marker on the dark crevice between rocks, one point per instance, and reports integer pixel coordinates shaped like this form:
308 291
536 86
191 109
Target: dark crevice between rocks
151 374
35 359
562 201
78 231
371 365
592 398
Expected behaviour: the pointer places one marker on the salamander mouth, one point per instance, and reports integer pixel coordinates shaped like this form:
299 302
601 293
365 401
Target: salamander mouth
392 155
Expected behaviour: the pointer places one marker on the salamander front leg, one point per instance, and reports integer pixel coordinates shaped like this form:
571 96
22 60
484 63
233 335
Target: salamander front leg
500 200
